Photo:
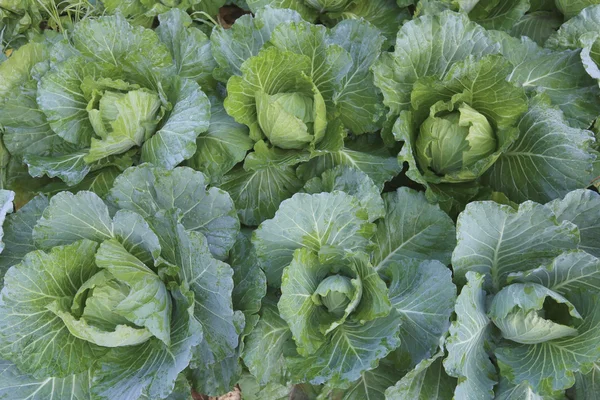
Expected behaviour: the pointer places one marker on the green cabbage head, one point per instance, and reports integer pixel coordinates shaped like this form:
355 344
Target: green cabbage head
343 296
530 294
121 296
111 95
288 110
458 125
451 142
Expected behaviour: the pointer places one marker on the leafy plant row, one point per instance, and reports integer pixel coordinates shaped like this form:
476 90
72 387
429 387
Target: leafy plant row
325 199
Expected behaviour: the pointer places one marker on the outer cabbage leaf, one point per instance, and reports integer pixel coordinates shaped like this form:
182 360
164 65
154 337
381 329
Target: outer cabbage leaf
587 386
355 183
250 282
371 385
176 140
266 345
427 46
6 207
215 379
20 20
412 229
18 228
143 12
570 32
564 356
494 14
581 207
507 391
147 189
571 8
25 126
249 288
130 371
190 48
27 326
222 146
358 101
427 381
497 240
366 153
559 74
351 349
99 182
253 391
307 12
569 272
310 221
209 279
69 218
423 294
231 47
548 160
537 25
266 179
491 14
385 15
470 339
518 311
15 384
